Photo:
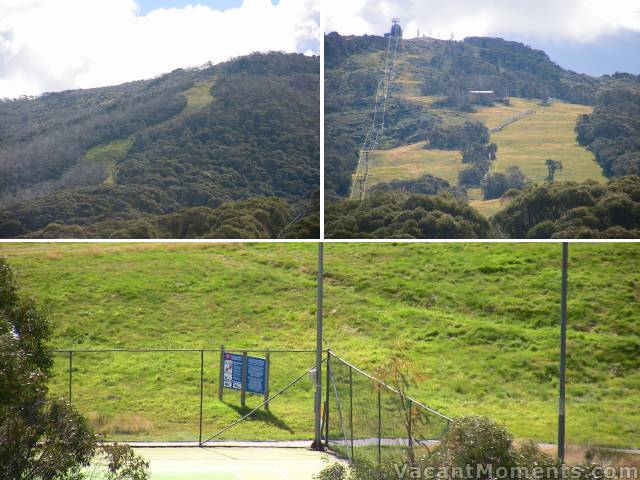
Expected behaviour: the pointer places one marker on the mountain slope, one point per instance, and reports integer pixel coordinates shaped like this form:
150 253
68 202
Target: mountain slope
245 129
431 81
435 125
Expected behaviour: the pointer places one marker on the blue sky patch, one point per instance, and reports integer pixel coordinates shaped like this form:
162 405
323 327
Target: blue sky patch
146 6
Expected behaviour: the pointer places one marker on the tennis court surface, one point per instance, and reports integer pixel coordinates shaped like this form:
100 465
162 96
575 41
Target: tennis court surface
234 463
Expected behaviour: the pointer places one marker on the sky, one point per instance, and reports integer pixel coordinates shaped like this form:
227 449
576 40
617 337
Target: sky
54 45
587 36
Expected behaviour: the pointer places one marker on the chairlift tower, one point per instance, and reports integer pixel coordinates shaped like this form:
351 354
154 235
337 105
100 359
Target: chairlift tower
365 161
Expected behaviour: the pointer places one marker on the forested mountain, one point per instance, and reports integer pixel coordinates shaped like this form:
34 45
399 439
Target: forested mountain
229 142
431 106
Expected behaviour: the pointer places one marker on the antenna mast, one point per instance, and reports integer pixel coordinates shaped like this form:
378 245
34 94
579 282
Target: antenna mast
365 160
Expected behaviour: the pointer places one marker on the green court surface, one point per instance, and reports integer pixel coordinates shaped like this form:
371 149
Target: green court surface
234 463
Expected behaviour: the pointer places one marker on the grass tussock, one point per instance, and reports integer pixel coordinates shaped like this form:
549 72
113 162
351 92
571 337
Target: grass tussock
125 423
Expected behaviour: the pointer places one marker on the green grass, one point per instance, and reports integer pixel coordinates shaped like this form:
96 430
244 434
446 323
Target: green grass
110 154
478 322
493 117
549 133
414 161
198 96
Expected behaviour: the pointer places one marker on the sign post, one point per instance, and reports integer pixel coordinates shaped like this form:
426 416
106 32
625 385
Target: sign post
243 386
266 381
244 373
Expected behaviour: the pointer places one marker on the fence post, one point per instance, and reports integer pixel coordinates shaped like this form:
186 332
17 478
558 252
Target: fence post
221 375
327 397
201 394
379 428
266 380
243 391
351 408
70 372
410 428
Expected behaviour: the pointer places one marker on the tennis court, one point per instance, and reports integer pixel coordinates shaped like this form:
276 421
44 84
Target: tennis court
234 463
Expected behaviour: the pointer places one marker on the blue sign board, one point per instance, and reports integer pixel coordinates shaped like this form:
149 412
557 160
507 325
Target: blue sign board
256 373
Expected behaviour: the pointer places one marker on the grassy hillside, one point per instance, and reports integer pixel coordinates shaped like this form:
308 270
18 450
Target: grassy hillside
548 133
479 323
527 144
413 161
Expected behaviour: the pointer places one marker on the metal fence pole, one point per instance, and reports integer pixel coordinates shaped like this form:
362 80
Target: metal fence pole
70 372
327 397
221 374
410 427
563 352
201 394
351 408
243 391
379 428
266 379
317 404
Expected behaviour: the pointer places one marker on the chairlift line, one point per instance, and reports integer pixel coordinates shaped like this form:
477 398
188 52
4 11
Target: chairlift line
374 133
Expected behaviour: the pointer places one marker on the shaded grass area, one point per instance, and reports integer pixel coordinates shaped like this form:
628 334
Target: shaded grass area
478 322
488 207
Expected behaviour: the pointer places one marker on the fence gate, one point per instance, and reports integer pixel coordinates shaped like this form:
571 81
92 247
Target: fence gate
366 419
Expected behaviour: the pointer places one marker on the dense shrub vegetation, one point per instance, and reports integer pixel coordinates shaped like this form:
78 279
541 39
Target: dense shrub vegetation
472 447
398 215
570 210
508 68
458 137
612 132
257 138
497 184
42 436
254 218
426 185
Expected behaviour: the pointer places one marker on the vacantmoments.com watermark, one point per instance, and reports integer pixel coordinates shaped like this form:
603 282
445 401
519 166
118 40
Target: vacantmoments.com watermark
482 471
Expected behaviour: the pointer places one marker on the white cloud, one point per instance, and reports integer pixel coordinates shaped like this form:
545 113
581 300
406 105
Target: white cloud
50 45
572 20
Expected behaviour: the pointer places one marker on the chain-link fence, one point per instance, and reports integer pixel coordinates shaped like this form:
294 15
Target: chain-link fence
173 394
366 419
